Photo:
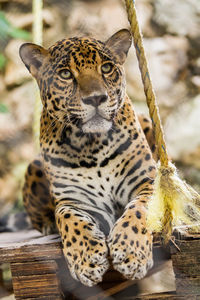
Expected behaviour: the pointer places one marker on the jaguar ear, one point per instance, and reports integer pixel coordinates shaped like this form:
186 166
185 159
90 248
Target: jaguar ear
32 56
119 43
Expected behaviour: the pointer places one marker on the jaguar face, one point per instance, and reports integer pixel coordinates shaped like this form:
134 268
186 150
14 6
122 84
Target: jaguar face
81 80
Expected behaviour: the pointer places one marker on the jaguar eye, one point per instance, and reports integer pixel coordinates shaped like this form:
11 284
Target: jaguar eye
107 68
65 74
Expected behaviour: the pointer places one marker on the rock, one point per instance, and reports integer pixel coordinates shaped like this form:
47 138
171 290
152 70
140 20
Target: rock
191 173
11 186
25 20
16 144
192 158
15 72
144 14
20 104
2 84
178 17
166 57
56 28
195 71
196 81
102 18
6 131
182 130
99 19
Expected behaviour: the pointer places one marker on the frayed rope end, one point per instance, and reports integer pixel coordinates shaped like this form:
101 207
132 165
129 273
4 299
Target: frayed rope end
173 203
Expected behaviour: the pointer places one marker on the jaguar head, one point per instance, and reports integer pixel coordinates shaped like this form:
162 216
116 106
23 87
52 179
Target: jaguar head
81 80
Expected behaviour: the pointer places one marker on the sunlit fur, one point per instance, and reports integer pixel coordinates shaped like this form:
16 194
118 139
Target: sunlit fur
95 173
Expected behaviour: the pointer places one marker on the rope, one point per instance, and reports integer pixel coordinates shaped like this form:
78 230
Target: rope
173 200
148 89
37 39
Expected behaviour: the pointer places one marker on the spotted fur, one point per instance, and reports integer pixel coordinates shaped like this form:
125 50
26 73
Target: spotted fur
96 170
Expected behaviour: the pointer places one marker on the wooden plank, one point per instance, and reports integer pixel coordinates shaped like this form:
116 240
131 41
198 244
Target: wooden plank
10 238
188 286
112 275
186 265
184 259
34 283
187 271
113 290
1 278
14 240
36 286
31 252
37 248
162 296
34 268
48 297
186 246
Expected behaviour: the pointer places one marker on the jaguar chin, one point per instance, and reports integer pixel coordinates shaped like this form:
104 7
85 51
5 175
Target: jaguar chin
97 124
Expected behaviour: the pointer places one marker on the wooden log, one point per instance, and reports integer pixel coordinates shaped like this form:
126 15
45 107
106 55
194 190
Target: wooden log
37 249
1 278
162 296
35 280
34 268
185 254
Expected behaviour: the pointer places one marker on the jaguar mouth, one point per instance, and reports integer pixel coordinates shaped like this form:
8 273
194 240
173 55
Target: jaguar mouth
97 124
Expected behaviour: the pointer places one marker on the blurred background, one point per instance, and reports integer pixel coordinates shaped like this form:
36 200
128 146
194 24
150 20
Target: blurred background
172 42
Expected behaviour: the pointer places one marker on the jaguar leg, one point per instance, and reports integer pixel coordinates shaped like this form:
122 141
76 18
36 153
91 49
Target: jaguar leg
130 241
84 244
37 199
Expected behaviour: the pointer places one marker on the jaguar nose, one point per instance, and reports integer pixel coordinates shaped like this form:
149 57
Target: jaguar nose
95 100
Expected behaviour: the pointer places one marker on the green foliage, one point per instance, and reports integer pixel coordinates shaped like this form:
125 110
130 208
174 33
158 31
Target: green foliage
2 61
8 30
3 108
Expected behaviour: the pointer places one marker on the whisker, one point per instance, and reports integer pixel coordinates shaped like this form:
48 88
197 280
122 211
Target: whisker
51 125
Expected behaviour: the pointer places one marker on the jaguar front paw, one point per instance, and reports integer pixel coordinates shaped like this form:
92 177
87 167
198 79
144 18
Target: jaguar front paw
130 249
86 256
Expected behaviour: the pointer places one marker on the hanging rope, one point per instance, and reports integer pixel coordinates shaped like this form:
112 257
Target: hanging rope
173 200
37 39
148 89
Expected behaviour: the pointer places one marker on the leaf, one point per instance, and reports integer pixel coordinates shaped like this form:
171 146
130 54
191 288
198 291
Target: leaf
2 61
19 33
8 30
3 108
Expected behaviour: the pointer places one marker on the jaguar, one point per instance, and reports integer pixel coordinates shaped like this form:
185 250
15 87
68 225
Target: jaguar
94 175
